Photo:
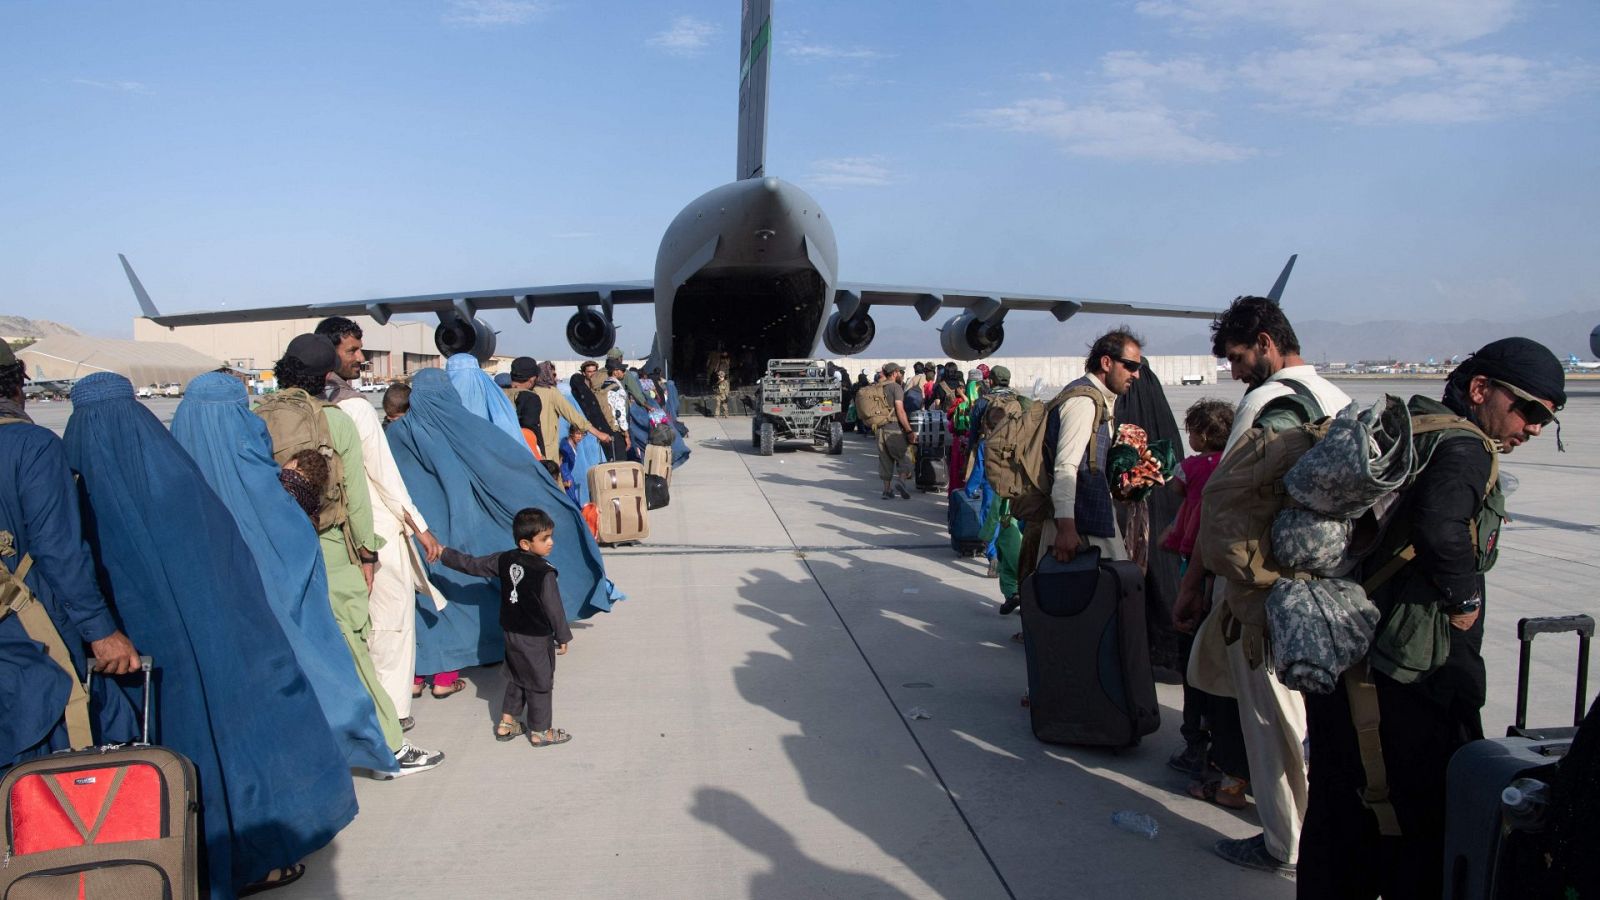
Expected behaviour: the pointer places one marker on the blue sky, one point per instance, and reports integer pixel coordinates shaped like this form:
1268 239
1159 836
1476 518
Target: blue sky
1427 158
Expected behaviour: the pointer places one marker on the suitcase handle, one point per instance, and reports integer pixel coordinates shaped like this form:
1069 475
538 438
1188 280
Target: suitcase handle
144 710
1527 629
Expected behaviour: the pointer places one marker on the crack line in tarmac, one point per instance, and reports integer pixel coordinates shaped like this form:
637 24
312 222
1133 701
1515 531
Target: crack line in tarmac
705 549
949 794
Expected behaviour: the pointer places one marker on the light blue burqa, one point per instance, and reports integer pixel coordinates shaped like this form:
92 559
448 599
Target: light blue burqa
481 396
231 446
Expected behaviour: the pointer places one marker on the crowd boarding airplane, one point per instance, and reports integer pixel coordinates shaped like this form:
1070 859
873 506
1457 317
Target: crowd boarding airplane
749 268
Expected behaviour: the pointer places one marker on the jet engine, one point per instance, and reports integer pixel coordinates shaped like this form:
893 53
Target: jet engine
846 337
967 337
590 334
457 335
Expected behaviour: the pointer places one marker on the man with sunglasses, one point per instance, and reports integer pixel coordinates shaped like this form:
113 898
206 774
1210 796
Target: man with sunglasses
1077 433
1511 390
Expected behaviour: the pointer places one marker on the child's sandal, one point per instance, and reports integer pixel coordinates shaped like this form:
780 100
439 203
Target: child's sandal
549 738
508 731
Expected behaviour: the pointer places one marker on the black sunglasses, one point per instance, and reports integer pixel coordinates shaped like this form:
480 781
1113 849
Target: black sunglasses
1532 411
1132 365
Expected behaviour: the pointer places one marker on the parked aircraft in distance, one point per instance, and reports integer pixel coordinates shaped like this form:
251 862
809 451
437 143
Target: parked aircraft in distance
749 268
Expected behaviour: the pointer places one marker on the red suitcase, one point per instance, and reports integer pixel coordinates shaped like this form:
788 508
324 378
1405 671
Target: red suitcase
104 823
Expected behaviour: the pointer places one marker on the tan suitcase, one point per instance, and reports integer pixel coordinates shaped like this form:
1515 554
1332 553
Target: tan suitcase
658 461
617 491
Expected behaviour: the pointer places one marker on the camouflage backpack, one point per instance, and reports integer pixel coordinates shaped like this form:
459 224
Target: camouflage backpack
1014 454
296 422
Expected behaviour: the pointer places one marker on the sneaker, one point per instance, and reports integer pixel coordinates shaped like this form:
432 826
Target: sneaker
1251 853
888 495
413 759
1191 760
1011 604
407 724
901 492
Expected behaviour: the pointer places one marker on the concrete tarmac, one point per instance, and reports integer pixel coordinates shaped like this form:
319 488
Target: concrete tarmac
741 722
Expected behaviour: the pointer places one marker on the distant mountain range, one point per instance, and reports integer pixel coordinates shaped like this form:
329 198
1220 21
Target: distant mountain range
14 327
1320 341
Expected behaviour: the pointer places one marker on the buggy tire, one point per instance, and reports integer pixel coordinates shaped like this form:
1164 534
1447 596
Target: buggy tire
755 433
835 438
766 436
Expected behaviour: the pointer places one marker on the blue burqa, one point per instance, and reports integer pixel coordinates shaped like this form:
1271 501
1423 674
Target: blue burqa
639 422
585 456
231 446
469 479
39 510
230 695
481 396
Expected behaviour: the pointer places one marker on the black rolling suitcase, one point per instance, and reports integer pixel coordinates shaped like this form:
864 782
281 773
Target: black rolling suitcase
1490 850
932 473
1089 677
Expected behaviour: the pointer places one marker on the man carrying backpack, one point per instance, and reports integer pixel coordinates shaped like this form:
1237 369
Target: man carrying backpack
1281 391
1077 436
299 419
882 407
1440 541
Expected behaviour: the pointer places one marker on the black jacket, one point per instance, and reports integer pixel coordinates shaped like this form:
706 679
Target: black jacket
530 598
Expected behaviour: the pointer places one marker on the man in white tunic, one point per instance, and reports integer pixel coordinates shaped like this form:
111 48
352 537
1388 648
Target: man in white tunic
400 576
1263 352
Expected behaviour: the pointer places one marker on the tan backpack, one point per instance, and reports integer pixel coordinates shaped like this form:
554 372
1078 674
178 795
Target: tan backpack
296 422
872 406
1014 449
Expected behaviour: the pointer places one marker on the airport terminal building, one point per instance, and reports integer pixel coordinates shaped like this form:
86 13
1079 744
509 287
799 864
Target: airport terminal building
395 350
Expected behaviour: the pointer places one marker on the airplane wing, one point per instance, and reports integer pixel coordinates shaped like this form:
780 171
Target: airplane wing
987 304
466 303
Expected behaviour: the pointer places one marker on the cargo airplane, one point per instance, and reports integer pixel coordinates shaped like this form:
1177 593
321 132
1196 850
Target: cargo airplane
749 268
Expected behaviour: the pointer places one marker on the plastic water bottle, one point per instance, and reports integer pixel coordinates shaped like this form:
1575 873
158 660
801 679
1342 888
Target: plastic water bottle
1524 801
1135 822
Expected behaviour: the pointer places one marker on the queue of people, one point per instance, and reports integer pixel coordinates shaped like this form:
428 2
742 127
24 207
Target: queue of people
1246 734
376 567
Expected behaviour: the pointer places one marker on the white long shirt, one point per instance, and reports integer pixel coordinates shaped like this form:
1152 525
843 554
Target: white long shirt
1077 426
1328 396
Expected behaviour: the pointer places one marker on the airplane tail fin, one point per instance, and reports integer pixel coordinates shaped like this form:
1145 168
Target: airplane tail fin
755 50
1276 294
145 304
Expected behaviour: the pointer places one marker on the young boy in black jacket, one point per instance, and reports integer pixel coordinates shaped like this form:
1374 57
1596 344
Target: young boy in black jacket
534 622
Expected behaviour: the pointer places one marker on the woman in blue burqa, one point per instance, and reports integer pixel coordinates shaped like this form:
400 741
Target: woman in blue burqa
231 446
481 396
470 478
273 785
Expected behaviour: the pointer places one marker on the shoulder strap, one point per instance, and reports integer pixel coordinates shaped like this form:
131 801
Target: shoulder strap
10 420
1442 423
15 597
1302 401
1365 716
1102 408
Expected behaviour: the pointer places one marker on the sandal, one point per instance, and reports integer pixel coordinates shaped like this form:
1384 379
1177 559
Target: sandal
416 690
549 738
506 731
456 687
277 878
1227 793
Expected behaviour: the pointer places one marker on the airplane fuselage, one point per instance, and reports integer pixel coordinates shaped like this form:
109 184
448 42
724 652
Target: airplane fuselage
749 269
